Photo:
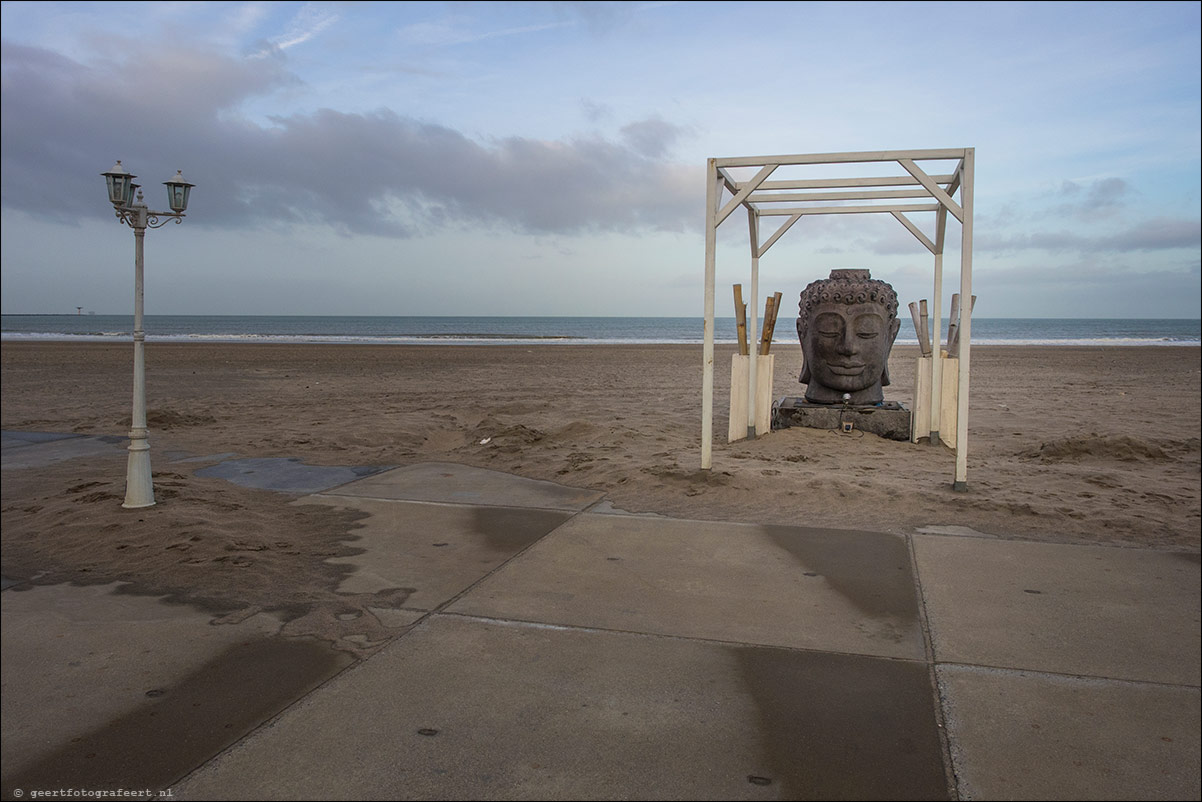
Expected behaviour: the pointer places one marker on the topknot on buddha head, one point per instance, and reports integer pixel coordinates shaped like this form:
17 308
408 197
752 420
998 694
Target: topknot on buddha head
846 286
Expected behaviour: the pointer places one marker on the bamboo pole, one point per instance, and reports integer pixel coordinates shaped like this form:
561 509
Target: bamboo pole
753 230
925 320
953 344
771 310
953 321
920 331
741 320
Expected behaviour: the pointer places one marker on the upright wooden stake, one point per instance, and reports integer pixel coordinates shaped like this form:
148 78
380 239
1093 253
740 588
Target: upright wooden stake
771 309
953 321
937 300
753 226
924 338
741 320
923 319
953 345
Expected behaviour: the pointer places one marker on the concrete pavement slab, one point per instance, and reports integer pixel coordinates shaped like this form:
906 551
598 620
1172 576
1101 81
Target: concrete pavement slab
622 656
462 708
1091 610
771 585
37 449
11 438
435 550
286 475
1026 735
184 457
462 484
103 689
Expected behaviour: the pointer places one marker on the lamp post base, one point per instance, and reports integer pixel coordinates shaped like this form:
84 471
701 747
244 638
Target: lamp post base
139 490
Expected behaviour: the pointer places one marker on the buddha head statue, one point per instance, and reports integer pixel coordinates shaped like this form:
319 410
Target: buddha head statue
847 324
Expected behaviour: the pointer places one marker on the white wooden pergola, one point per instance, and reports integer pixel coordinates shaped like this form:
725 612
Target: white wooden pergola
910 190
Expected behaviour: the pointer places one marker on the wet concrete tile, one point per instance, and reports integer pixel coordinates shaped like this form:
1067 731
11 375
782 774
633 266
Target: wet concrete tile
463 708
24 450
11 438
103 690
449 483
286 475
779 586
434 550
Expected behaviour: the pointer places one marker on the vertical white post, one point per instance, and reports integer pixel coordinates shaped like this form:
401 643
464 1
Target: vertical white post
937 328
139 488
707 385
753 337
966 203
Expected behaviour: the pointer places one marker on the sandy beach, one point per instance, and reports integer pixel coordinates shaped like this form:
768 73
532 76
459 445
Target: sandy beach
1071 445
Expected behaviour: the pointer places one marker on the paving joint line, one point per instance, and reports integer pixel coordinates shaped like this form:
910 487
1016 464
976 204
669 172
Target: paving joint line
937 699
333 496
518 622
984 668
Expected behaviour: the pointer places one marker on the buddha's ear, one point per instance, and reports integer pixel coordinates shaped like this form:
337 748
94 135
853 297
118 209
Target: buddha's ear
805 363
894 328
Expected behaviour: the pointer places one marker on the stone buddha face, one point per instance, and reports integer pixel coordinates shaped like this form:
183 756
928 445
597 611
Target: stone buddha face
847 327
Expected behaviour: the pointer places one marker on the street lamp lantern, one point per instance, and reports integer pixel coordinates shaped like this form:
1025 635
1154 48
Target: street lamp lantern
177 192
132 211
120 184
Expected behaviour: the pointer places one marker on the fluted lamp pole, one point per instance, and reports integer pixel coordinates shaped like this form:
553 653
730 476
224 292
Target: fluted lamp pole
126 197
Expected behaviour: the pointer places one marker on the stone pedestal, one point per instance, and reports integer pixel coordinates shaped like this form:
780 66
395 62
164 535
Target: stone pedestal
890 419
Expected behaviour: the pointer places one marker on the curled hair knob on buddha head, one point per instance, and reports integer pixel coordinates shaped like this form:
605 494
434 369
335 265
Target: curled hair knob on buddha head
846 286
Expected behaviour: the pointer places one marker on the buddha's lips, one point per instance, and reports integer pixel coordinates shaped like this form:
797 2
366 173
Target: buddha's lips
845 370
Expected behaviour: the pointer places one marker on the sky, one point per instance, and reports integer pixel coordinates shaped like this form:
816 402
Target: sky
543 158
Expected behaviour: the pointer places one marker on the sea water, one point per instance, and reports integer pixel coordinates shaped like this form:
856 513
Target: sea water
550 330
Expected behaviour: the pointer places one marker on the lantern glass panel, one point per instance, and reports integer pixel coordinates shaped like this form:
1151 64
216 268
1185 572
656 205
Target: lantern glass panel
119 181
177 193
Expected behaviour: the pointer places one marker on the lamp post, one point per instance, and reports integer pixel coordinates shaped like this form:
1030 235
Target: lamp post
132 211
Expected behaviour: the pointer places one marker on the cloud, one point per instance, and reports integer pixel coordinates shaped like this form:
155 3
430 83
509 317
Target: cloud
1095 286
1103 198
1155 234
307 23
451 32
652 138
594 111
378 173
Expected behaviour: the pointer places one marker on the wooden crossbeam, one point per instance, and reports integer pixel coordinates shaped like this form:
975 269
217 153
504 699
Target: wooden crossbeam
763 249
760 196
742 194
729 180
835 158
839 183
891 207
936 190
905 221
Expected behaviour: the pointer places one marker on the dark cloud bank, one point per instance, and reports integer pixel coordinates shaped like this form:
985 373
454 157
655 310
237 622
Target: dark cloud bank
382 173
